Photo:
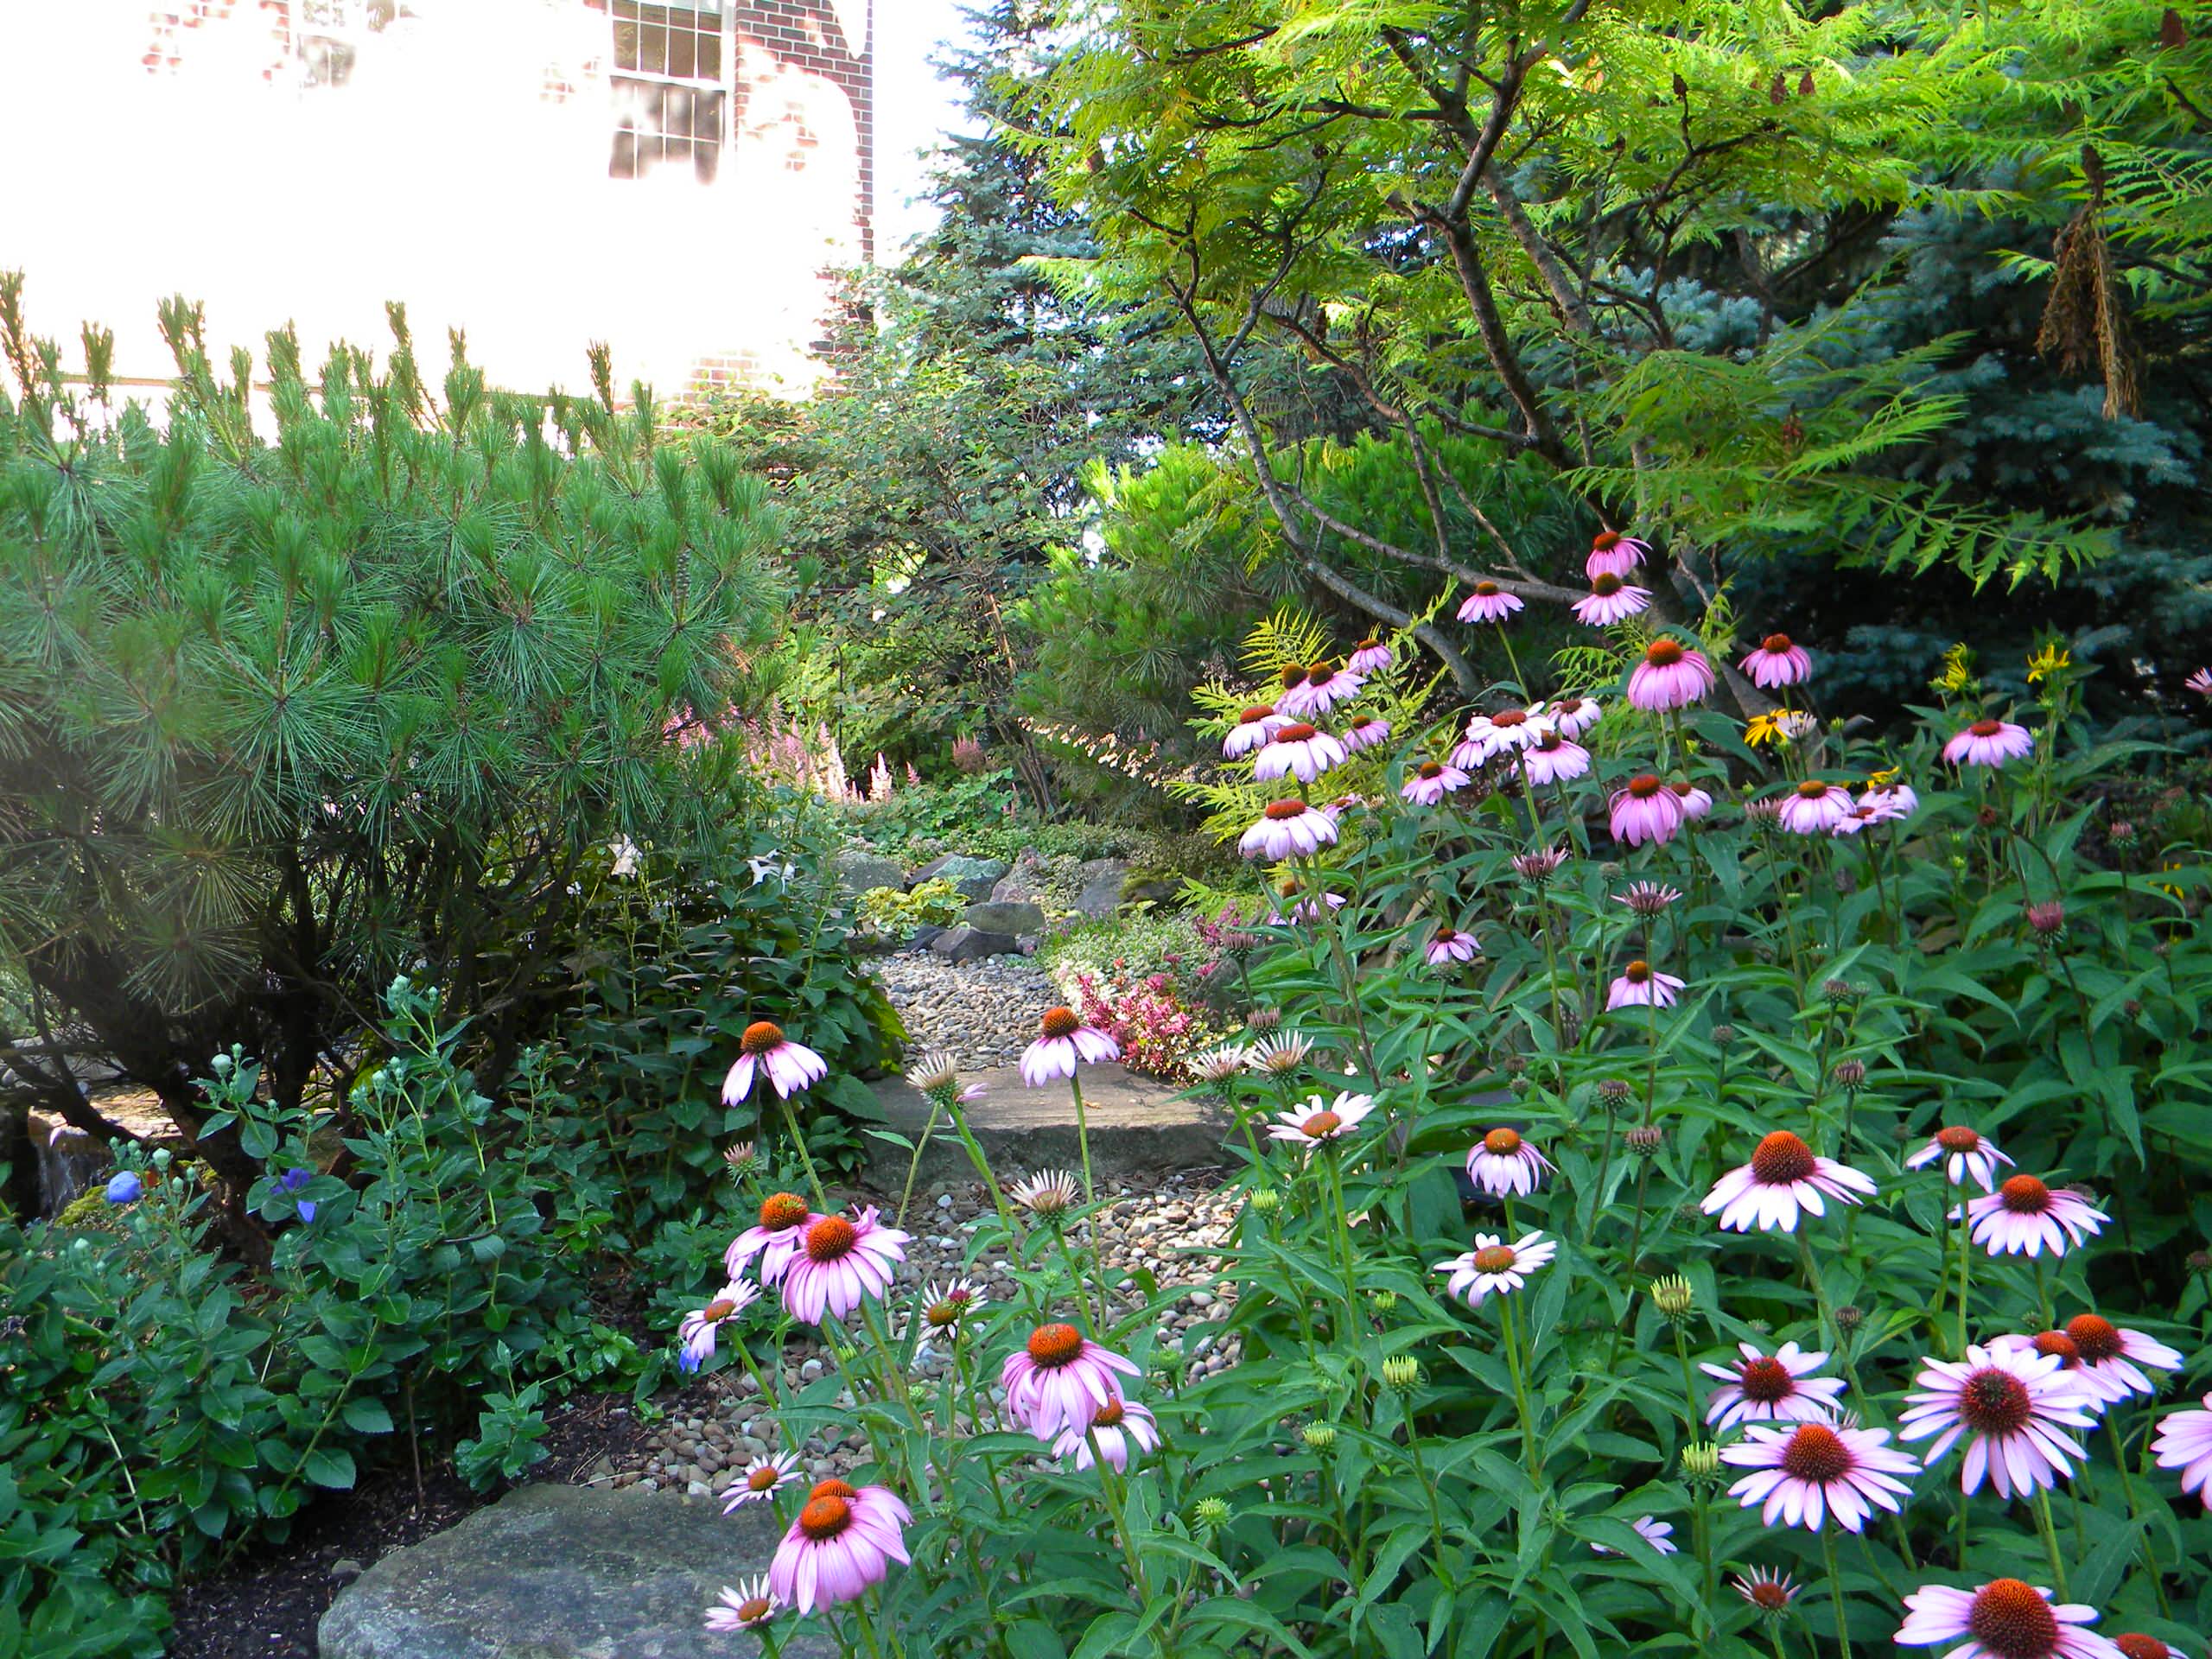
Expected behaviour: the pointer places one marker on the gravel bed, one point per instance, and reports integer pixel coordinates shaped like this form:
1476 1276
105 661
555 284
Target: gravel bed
982 1012
722 1423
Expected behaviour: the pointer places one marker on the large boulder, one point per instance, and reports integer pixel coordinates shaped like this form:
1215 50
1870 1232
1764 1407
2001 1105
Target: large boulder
553 1572
965 944
1025 883
1009 916
973 878
861 872
1103 879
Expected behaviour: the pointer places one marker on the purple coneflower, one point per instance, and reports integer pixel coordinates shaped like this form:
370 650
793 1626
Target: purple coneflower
2116 1355
1450 944
1365 731
1552 759
2199 681
1540 866
1287 830
1645 809
1610 601
1642 986
1775 661
1804 1473
1494 1268
845 1259
1989 743
1770 1592
1310 1125
1613 554
1776 1387
1815 808
1671 676
747 1607
1571 715
2028 1215
1783 1178
2005 1618
1123 1430
1964 1151
1431 781
1648 898
1322 690
1495 734
1370 655
1488 602
2014 1408
844 1539
696 1332
1058 1380
1696 803
1889 802
790 1066
779 1236
1303 751
1656 1533
1064 1042
1503 1164
761 1480
2184 1442
1255 727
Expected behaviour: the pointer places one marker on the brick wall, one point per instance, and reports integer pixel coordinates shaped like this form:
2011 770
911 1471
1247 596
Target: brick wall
811 34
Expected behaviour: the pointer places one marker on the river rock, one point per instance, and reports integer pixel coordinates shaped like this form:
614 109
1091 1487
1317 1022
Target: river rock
972 878
965 944
1103 879
1010 916
557 1572
859 871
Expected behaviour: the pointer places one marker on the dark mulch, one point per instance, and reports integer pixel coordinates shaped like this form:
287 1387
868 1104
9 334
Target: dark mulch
268 1602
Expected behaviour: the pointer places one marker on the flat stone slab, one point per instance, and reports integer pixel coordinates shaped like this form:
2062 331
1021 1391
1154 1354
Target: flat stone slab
1140 1128
553 1571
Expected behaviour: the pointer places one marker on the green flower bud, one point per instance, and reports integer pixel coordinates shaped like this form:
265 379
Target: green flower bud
1209 1512
1402 1372
1319 1437
1674 1297
1702 1460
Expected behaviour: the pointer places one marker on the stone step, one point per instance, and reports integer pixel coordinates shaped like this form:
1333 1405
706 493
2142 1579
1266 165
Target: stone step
553 1571
1140 1129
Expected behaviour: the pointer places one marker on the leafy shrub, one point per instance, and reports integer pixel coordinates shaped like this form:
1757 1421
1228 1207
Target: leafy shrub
427 1273
670 968
281 720
896 912
1486 1244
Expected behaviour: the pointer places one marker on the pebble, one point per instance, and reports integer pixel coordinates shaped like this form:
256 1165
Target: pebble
1165 1231
982 1012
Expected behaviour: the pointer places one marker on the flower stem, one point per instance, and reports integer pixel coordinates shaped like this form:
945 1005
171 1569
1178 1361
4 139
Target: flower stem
2050 1540
1520 1386
1835 1590
914 1164
806 1158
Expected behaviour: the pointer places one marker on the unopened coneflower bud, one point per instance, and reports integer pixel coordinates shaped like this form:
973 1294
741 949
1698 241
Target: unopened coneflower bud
1613 1091
2198 1261
1839 991
1515 1065
1673 1297
934 1073
1849 1318
1723 1035
1849 1074
740 1156
1702 1460
1759 1328
1210 1513
2048 918
1266 1201
1645 1140
1263 1019
1401 1371
1519 1085
1609 871
2121 834
1384 1301
2131 1007
844 1353
1987 817
1319 1437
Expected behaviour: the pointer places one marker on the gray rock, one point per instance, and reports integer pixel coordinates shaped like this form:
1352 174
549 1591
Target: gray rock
927 933
966 944
1103 879
1010 916
1025 882
973 878
858 872
553 1572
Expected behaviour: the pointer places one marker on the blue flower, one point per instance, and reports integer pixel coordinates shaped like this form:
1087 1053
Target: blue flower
307 1208
125 1187
292 1179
